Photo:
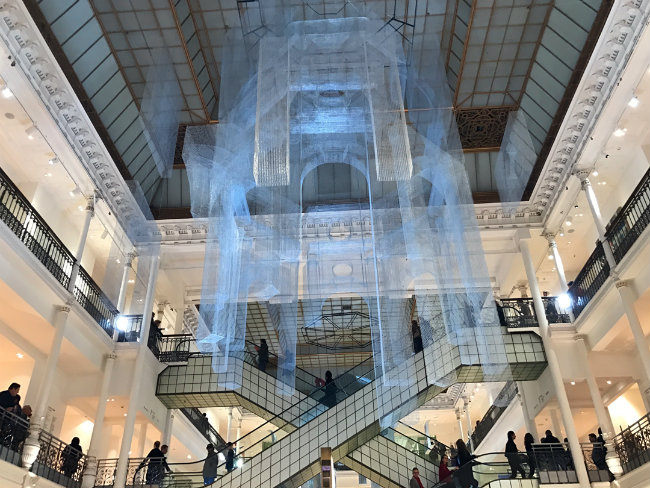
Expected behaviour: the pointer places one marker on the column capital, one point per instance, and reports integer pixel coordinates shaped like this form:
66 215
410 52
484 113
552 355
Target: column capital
623 283
111 355
130 256
583 176
522 287
90 204
63 308
550 237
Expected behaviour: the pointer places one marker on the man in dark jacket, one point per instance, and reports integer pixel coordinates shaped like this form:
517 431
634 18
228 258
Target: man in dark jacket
598 455
157 464
7 400
512 454
554 455
230 457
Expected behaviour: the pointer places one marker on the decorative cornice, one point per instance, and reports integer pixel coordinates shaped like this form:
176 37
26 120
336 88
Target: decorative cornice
609 58
32 55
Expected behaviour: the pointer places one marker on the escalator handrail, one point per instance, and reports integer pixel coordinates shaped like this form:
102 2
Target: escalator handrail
435 441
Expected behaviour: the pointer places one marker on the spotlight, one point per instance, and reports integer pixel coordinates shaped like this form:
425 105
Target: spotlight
31 132
634 102
564 301
122 323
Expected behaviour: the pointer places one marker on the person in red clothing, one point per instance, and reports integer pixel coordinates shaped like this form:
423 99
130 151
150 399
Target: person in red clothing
415 481
445 474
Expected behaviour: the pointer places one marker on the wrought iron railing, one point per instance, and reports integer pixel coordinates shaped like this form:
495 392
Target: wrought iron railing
175 348
520 312
592 276
631 220
129 327
27 224
13 432
59 462
633 444
623 232
501 403
554 463
202 424
23 220
95 302
594 455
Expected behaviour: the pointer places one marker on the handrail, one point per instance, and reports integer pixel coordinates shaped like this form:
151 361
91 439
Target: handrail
592 276
195 416
440 446
500 404
520 312
30 227
13 432
631 220
633 444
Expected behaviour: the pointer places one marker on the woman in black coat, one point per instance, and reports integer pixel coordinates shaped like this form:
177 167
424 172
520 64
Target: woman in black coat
465 462
512 453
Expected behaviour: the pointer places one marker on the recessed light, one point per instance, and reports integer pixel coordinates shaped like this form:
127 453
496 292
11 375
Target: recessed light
550 256
189 456
118 261
634 102
31 132
81 209
609 382
48 174
6 92
595 173
132 281
52 161
125 415
20 355
620 132
573 383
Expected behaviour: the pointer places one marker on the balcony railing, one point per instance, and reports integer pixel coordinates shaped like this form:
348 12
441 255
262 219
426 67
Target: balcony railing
623 232
501 403
202 424
520 312
631 221
59 462
555 465
26 223
633 444
13 432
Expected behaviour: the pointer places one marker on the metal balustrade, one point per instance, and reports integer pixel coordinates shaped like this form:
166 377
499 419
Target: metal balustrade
59 462
554 463
624 231
493 414
196 417
633 444
13 432
519 313
26 223
631 220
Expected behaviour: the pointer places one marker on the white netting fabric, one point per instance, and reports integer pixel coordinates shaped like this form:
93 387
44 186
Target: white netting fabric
339 92
516 158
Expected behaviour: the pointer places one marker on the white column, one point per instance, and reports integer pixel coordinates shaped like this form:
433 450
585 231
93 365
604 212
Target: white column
459 417
169 423
529 422
90 212
121 299
32 446
229 425
554 366
129 421
238 434
90 472
598 218
559 266
627 299
602 414
555 423
426 433
468 418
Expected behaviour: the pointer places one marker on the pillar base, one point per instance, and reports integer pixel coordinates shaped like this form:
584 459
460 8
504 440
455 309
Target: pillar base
31 447
90 473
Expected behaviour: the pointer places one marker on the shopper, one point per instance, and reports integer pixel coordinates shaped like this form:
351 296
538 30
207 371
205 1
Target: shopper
230 457
329 399
465 462
262 355
416 482
598 455
512 454
157 464
210 466
529 440
7 397
70 457
445 475
554 454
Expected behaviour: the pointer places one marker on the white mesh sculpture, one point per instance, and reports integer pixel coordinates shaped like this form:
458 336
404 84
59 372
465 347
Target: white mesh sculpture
334 92
516 158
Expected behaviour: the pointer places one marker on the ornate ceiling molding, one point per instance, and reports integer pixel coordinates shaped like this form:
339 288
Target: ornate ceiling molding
32 55
619 37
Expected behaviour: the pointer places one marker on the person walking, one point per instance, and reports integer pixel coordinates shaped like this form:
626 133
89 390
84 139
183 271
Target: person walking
262 355
416 482
465 462
529 440
157 464
210 466
598 455
512 454
230 457
70 457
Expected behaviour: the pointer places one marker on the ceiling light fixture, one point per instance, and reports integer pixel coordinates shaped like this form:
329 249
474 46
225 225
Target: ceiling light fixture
19 355
569 222
595 173
634 102
6 92
52 161
573 383
131 281
75 191
620 132
609 382
48 174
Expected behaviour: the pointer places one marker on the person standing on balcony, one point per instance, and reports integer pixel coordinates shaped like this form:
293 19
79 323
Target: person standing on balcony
210 466
512 454
598 453
70 457
262 355
7 400
529 440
